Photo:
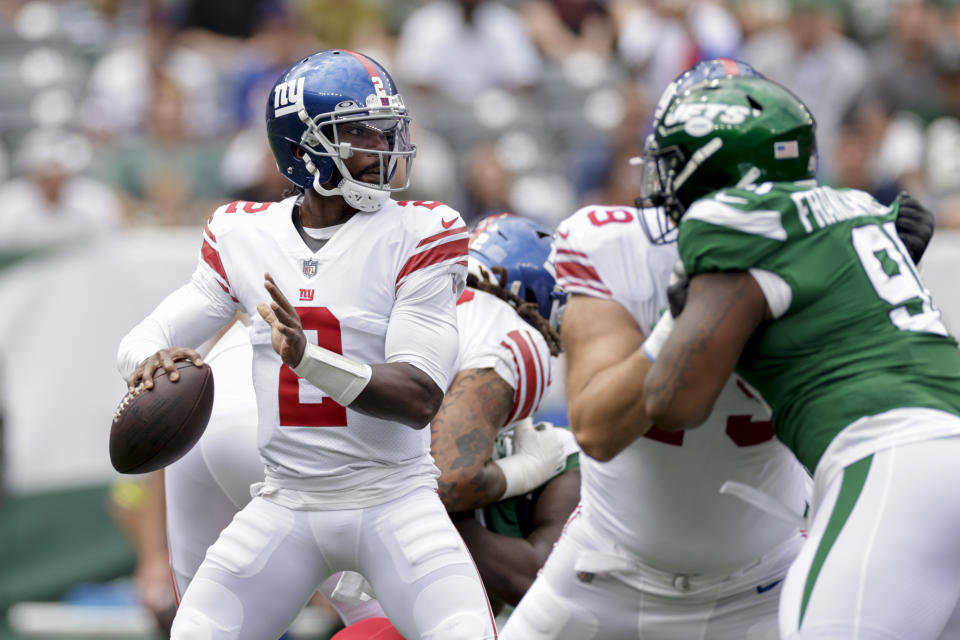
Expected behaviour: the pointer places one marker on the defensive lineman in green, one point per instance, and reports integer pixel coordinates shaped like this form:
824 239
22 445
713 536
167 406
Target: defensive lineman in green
811 295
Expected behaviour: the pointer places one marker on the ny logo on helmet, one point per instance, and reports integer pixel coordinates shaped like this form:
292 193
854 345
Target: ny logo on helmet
287 97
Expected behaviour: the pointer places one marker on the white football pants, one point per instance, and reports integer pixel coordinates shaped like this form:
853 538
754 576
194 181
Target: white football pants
883 558
567 604
270 559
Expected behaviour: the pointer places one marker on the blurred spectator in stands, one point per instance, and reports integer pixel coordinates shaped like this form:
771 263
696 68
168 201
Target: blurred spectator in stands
878 152
361 25
943 138
52 202
487 184
249 170
277 42
562 28
168 177
620 180
120 87
232 18
758 15
660 39
902 75
811 56
459 48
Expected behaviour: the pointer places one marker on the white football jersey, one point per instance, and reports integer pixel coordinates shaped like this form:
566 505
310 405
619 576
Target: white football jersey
660 497
493 335
344 294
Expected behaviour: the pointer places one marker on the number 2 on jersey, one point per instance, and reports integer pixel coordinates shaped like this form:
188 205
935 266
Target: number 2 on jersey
326 413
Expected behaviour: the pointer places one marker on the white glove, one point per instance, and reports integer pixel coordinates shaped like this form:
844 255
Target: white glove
537 456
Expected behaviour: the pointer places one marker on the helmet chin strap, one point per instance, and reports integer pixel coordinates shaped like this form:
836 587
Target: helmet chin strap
359 196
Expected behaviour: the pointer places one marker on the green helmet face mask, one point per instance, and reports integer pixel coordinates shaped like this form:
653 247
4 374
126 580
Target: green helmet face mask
726 132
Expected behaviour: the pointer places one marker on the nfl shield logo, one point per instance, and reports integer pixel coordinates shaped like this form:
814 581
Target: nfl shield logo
310 268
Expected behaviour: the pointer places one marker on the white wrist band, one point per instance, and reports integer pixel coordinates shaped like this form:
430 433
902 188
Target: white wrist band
340 378
522 472
538 456
658 337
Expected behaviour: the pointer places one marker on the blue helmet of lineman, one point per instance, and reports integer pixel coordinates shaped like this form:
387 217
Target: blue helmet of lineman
308 110
522 247
712 69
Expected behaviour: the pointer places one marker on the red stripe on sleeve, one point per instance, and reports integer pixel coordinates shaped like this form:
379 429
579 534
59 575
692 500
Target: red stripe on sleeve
440 253
577 270
529 370
212 258
571 252
466 296
210 235
442 234
541 379
517 391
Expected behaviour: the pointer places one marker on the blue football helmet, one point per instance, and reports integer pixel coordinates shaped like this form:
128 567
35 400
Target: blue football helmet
522 247
330 96
702 71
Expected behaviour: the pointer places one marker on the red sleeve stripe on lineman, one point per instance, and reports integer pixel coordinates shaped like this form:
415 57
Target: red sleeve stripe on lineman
206 230
452 250
572 276
442 234
578 271
571 252
529 382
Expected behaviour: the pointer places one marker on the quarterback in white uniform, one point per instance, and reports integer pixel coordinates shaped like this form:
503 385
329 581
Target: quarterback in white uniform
655 549
346 375
206 487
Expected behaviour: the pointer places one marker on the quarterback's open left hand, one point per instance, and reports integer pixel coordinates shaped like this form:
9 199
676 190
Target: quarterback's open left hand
286 333
914 225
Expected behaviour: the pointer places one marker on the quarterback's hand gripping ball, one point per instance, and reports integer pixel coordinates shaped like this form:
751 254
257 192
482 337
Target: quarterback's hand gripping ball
153 428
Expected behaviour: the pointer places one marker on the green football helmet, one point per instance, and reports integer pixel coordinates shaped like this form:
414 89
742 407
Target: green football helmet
726 132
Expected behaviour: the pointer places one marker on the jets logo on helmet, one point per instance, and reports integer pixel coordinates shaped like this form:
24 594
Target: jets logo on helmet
698 122
758 132
326 108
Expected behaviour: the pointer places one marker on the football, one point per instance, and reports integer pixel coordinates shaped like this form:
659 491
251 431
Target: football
153 428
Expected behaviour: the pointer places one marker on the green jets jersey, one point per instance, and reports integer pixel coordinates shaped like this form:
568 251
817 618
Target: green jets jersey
855 331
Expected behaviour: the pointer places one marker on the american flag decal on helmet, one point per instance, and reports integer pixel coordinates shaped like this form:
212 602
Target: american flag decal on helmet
786 150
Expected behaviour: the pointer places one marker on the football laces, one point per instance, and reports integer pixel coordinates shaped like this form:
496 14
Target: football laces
127 399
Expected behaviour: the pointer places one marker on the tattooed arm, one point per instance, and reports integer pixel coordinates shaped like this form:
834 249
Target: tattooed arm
462 435
722 312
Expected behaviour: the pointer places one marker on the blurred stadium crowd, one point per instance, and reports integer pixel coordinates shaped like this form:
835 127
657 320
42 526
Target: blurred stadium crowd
149 112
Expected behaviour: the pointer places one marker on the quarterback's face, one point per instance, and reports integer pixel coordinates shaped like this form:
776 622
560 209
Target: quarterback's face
364 166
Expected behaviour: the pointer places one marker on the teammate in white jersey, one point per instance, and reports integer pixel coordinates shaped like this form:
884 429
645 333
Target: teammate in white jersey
346 376
656 550
504 367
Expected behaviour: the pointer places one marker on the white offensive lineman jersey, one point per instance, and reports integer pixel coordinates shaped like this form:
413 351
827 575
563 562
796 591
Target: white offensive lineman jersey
378 270
493 335
659 498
